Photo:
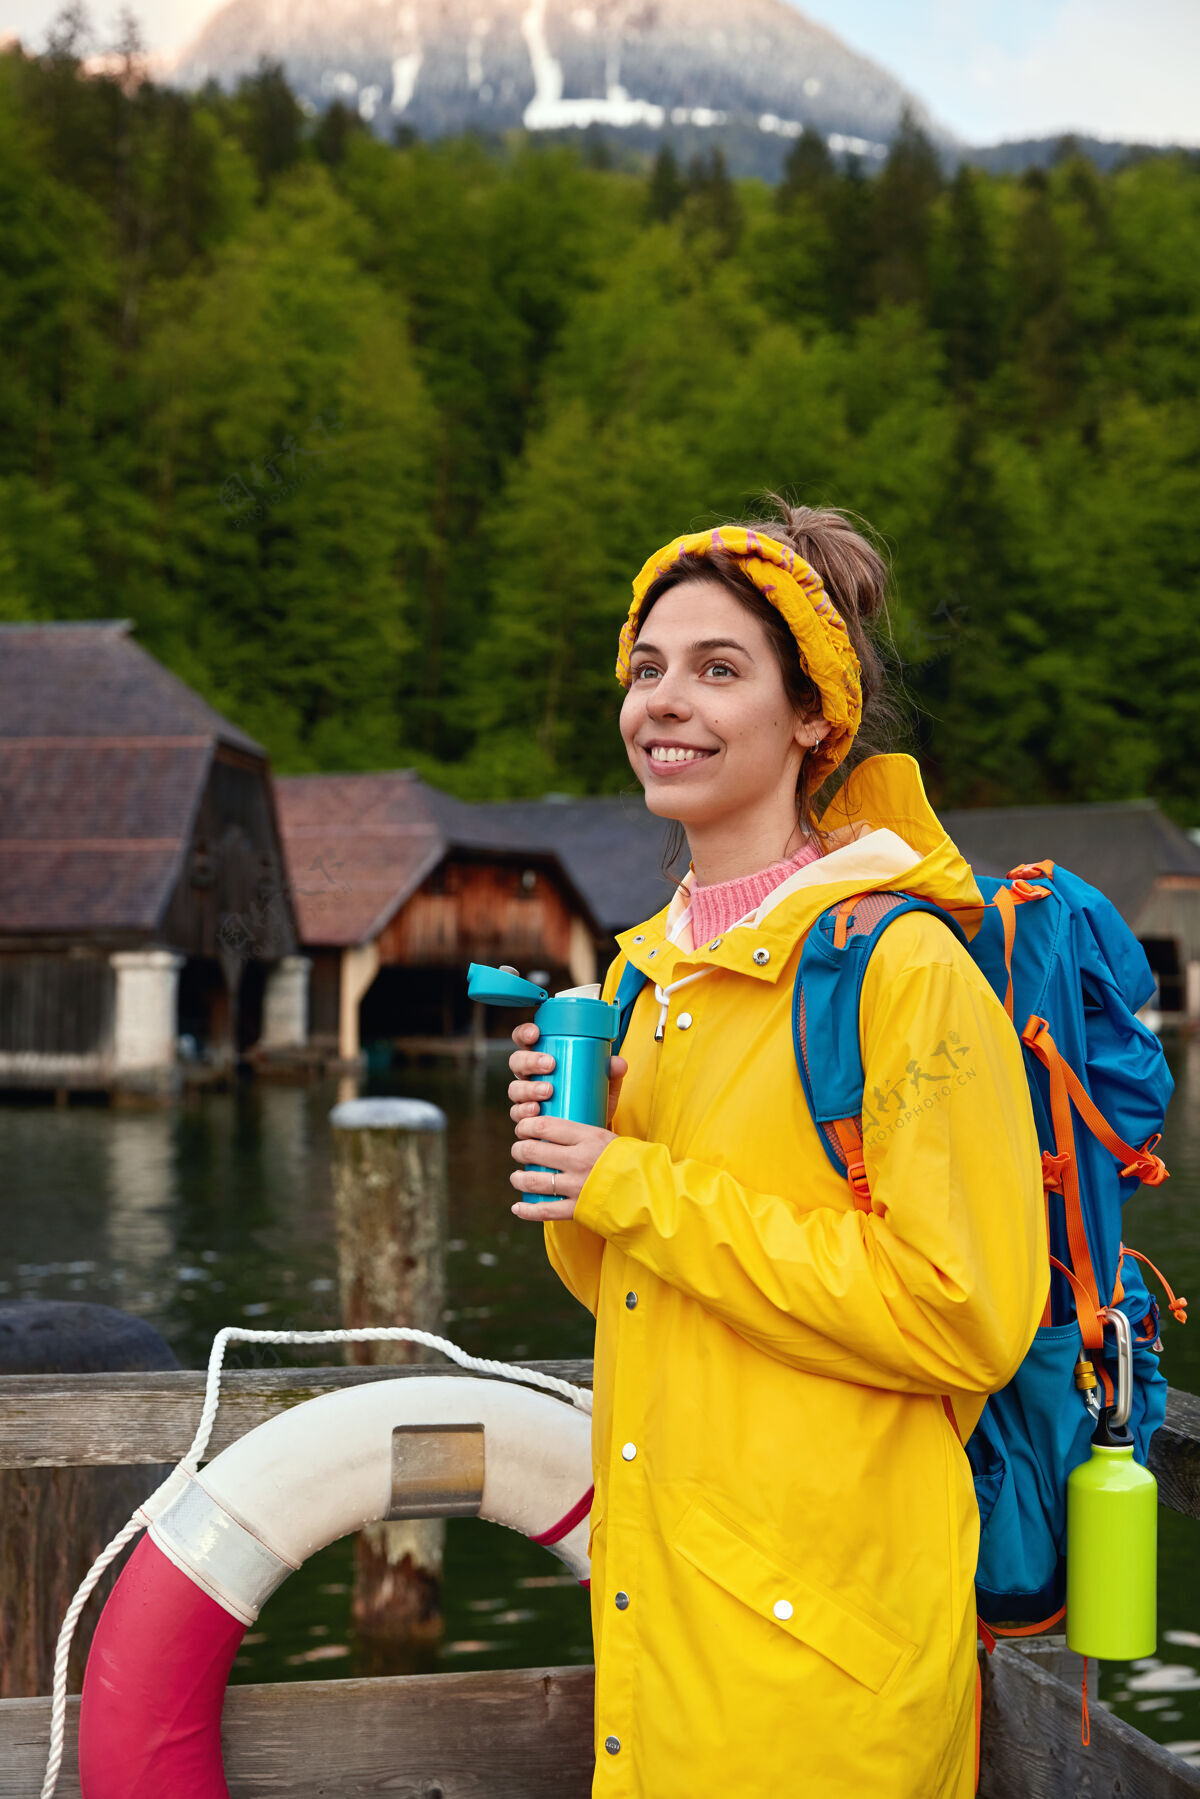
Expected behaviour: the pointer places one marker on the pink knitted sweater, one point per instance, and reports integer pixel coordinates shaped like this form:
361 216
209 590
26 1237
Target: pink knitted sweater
720 905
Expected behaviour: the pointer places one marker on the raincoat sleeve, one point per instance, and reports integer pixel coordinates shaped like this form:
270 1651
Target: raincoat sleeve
575 1252
940 1287
575 1255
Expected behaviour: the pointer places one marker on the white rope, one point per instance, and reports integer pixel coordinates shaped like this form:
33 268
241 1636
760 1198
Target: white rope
58 1710
150 1508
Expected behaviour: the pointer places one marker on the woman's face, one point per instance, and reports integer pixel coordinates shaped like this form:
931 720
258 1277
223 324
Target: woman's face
707 724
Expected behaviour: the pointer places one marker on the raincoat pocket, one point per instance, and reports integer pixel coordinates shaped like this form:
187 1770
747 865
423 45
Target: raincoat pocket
789 1601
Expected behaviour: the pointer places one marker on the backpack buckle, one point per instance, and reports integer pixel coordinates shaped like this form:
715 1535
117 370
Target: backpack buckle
1032 871
1123 1403
856 1174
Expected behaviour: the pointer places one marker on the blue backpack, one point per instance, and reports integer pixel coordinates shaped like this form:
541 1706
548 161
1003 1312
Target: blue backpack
1062 961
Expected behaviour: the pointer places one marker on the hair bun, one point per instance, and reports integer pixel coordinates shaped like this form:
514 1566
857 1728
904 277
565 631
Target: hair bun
853 570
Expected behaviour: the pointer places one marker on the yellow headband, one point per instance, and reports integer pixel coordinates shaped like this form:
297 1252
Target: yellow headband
796 592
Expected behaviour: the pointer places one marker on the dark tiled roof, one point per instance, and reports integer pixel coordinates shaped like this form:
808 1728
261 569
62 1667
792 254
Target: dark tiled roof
86 888
93 680
103 759
610 846
1120 847
70 791
91 834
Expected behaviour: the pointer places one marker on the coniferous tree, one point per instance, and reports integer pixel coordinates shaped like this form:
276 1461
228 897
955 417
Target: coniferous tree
1043 337
712 209
597 148
269 121
333 131
848 211
902 215
808 171
964 299
665 190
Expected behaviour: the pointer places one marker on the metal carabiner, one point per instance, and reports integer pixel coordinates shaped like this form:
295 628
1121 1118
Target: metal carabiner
1122 1405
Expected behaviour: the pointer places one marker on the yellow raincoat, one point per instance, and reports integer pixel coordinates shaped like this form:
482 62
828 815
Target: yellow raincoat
784 1531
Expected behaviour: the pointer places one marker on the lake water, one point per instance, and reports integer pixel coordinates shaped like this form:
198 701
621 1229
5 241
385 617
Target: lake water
218 1211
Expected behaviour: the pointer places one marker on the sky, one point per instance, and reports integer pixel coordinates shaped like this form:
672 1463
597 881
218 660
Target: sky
993 69
987 69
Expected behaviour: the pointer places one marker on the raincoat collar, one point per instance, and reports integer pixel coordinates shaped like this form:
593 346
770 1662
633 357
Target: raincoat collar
886 836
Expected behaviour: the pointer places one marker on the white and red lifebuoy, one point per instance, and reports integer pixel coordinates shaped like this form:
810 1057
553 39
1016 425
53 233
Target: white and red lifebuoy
163 1649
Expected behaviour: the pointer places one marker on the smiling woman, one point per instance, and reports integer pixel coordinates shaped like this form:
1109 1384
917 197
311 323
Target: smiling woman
784 1532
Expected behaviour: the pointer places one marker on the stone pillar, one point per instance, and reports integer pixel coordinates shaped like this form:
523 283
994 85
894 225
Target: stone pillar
285 1004
360 965
1192 990
390 1204
145 1019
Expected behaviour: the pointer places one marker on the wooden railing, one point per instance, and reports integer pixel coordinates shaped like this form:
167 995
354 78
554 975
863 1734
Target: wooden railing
524 1734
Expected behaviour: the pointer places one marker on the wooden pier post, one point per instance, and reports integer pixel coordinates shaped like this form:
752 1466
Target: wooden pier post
390 1203
55 1521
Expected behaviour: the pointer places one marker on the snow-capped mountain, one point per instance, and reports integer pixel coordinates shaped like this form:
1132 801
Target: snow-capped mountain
642 66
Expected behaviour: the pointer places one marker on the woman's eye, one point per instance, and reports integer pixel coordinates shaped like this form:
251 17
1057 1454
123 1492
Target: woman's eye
721 668
644 668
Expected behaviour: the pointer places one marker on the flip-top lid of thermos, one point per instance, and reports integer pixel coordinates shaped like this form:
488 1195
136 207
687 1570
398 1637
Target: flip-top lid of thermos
575 1013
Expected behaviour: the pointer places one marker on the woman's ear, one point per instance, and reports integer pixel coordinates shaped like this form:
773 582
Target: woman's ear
812 731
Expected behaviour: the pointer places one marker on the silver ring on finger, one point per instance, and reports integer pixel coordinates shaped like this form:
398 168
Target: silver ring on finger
554 1183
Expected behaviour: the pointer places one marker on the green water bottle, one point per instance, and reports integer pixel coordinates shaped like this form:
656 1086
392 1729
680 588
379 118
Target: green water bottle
1112 1533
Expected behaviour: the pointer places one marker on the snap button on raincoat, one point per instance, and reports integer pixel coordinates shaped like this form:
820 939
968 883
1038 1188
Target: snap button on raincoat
784 1531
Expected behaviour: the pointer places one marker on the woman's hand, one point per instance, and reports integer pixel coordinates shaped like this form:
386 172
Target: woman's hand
571 1150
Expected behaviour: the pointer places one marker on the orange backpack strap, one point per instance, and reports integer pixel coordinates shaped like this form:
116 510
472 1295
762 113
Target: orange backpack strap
842 920
1006 901
1091 1329
850 1139
1036 1036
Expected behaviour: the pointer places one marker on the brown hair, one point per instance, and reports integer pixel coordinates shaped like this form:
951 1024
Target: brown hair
855 576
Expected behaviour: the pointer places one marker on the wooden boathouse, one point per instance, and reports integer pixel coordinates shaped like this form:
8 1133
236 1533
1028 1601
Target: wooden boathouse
397 888
146 924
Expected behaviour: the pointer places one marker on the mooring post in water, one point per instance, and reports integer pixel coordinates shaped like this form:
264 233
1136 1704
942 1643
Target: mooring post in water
389 1189
55 1521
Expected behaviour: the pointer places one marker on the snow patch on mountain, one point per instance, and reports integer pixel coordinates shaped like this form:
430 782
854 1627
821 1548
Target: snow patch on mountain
761 70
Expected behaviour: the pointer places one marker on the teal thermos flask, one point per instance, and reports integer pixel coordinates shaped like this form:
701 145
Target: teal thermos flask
1112 1534
577 1028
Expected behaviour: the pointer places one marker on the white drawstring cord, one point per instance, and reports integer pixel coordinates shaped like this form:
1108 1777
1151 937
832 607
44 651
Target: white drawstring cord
177 1479
663 996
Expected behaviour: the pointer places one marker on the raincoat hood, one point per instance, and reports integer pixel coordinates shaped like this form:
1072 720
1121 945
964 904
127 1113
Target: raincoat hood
886 836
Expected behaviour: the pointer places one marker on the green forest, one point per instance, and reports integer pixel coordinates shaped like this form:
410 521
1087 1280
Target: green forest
369 438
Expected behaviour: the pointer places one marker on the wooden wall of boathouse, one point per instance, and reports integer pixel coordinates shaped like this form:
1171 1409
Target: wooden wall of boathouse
472 908
476 909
